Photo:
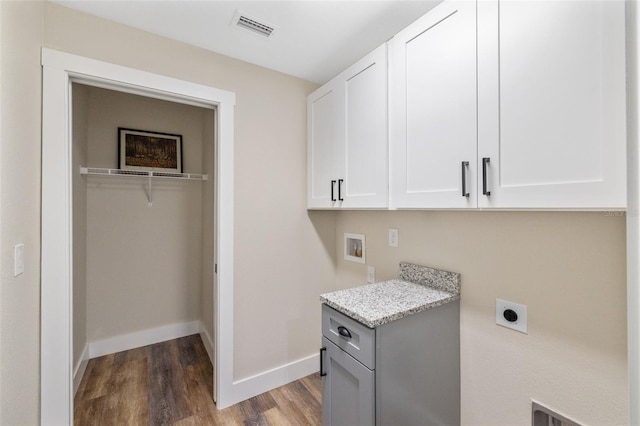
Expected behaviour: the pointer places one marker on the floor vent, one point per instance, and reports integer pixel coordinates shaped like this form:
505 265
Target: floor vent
242 20
543 416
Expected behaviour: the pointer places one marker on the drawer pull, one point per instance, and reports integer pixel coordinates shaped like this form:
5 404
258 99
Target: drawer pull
344 332
322 373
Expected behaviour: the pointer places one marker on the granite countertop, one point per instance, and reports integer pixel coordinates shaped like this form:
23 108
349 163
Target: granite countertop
418 289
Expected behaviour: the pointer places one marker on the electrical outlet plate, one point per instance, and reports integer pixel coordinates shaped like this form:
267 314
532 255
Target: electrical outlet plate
371 274
520 324
393 237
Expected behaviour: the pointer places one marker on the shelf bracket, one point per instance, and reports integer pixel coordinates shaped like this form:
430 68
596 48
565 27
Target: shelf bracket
149 194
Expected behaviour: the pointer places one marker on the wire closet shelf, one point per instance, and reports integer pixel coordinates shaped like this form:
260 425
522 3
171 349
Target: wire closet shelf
148 174
141 173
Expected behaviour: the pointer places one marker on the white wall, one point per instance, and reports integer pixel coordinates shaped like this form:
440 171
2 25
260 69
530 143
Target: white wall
284 256
21 34
144 263
568 268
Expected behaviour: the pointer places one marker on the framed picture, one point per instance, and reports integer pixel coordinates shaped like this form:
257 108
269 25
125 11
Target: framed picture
354 247
145 150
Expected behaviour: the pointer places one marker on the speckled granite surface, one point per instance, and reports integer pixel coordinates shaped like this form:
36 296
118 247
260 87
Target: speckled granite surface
377 304
434 278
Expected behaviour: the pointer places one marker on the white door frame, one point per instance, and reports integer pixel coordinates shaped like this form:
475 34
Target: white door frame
59 71
633 208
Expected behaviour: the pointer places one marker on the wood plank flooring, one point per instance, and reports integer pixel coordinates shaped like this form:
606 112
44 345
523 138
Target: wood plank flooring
171 383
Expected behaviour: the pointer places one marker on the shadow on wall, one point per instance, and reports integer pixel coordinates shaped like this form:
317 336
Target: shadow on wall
324 223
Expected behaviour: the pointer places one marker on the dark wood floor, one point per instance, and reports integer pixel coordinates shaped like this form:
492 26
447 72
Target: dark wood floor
170 383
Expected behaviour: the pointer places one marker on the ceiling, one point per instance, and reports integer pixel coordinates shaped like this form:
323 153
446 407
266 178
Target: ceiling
313 39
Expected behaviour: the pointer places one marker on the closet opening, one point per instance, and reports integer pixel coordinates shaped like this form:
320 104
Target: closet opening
143 223
59 173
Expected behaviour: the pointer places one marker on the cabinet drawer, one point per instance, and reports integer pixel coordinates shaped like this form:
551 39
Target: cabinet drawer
354 338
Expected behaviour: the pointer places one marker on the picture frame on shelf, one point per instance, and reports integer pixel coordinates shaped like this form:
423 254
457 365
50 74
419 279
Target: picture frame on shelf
148 150
354 248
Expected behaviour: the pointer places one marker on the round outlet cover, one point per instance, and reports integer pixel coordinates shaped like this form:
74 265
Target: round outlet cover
510 315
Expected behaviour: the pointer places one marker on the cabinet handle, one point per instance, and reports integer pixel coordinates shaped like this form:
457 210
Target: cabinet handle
465 164
322 373
485 161
344 332
340 189
333 185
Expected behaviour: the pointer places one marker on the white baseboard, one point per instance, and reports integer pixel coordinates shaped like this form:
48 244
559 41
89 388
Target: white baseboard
251 386
80 368
208 343
242 389
124 342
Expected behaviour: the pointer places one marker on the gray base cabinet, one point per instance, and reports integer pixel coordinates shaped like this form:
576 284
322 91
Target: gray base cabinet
405 372
347 389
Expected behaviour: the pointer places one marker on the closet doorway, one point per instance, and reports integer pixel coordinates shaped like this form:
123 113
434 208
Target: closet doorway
62 237
143 236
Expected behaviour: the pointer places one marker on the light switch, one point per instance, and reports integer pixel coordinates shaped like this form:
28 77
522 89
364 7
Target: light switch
18 259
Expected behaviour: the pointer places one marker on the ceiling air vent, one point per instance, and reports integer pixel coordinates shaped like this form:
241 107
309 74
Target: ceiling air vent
244 21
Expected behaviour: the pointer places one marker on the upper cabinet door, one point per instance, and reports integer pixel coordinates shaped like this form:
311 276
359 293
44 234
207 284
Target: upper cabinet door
551 92
347 152
366 181
433 135
325 158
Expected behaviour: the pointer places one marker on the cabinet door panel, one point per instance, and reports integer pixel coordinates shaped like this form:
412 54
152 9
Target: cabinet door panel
324 145
348 394
557 103
433 108
366 158
347 137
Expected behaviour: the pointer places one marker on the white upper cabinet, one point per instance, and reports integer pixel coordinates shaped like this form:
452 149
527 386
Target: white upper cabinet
551 104
433 110
325 161
366 135
511 104
347 138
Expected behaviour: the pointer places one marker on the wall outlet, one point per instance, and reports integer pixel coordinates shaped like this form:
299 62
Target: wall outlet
371 274
393 237
511 315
